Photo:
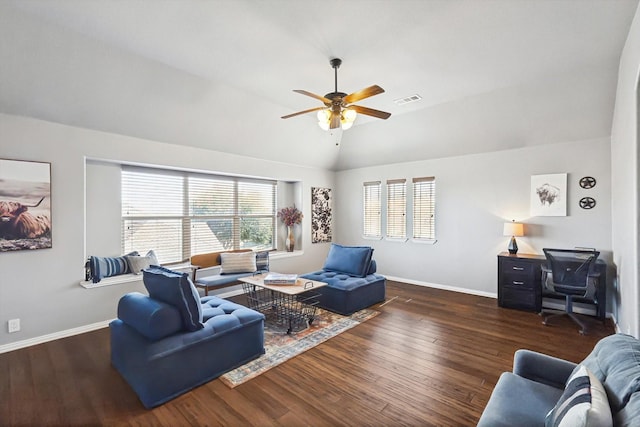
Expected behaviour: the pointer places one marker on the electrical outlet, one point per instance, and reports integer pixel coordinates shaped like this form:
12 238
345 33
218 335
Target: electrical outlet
13 325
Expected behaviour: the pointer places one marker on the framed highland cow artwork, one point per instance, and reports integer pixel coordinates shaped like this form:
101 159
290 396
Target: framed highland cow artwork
320 215
549 195
25 205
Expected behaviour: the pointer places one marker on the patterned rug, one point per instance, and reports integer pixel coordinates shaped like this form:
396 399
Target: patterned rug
281 347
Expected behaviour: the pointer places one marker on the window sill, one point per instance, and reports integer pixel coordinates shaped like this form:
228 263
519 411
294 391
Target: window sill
424 241
372 237
128 278
396 239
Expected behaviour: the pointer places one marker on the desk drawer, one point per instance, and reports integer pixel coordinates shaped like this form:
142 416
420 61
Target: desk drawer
517 281
518 298
517 267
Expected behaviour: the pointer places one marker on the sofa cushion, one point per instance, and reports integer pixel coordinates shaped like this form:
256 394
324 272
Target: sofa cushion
151 318
615 361
583 403
629 416
353 260
239 262
102 267
176 289
517 398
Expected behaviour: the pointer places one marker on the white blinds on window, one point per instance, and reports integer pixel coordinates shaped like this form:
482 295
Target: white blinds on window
424 208
178 214
372 208
396 208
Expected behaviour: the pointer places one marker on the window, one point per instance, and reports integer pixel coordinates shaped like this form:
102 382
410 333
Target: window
372 206
424 208
178 214
396 209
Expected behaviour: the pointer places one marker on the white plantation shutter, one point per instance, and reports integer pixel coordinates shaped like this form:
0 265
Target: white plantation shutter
179 214
396 208
372 207
424 208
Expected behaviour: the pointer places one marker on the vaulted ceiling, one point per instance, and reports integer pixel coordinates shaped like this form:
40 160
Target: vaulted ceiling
218 74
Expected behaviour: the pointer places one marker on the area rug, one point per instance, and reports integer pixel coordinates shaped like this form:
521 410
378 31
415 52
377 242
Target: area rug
280 346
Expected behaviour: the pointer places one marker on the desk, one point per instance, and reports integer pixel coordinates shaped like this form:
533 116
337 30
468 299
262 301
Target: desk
520 283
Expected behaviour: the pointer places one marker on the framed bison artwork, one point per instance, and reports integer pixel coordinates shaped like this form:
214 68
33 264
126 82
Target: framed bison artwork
25 205
549 195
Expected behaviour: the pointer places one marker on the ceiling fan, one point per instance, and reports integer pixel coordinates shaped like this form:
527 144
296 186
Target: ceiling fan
338 110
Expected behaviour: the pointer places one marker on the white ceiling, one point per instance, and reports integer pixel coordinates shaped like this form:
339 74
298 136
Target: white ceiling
493 74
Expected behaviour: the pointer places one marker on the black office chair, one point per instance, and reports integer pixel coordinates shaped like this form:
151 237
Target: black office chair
569 273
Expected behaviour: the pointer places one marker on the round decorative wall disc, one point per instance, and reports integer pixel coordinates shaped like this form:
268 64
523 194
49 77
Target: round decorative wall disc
587 202
587 182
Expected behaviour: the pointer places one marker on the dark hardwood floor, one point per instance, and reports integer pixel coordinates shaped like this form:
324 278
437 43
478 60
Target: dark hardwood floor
431 357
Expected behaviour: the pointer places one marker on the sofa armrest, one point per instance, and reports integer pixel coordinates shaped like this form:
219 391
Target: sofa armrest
542 368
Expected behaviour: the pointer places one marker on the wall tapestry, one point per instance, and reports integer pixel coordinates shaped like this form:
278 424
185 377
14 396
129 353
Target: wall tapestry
549 195
320 215
25 205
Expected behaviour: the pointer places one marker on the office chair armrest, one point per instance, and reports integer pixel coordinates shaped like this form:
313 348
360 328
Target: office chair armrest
542 368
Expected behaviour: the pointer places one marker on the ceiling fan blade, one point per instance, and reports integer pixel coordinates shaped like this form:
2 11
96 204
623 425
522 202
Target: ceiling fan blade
313 95
370 112
335 121
303 112
362 94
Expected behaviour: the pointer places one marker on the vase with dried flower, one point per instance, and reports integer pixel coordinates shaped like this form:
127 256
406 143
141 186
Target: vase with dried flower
290 216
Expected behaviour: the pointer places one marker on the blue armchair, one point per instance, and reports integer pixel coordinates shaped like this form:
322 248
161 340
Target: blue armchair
171 341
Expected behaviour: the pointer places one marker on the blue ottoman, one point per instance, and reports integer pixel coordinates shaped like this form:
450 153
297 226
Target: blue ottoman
351 281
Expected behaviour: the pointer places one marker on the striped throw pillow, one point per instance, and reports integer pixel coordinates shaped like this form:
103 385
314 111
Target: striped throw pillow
262 261
584 402
238 262
102 267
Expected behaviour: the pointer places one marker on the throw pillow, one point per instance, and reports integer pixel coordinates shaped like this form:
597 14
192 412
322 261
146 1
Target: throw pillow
238 262
101 267
139 263
176 289
352 260
583 403
262 261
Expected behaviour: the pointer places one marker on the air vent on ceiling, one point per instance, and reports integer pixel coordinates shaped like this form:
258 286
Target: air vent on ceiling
408 99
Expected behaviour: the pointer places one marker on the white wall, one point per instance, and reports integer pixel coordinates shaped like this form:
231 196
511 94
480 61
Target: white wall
625 176
475 195
41 287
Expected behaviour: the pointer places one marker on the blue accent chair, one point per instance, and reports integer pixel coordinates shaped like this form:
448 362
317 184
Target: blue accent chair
352 284
160 358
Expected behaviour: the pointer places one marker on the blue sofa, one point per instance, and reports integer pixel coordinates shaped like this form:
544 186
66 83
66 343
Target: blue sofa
170 341
350 273
540 383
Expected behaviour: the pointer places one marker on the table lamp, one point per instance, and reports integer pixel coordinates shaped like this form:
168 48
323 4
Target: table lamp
513 229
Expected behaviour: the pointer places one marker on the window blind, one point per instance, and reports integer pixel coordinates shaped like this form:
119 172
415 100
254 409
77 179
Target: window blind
372 209
178 214
424 208
396 208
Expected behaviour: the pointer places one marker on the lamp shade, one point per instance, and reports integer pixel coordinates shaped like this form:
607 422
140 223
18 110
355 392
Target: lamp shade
513 229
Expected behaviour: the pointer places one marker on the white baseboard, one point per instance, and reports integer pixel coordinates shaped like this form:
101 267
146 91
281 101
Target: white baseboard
578 308
443 287
54 336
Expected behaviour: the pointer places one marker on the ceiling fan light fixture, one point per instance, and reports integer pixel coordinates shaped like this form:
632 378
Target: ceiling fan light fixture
338 110
349 115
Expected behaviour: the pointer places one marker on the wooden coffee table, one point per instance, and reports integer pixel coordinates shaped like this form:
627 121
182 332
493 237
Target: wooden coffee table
292 305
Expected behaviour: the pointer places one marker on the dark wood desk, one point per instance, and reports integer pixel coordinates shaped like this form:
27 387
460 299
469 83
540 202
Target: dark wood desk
520 283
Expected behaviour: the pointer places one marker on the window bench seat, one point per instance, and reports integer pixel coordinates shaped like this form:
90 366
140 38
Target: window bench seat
129 277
